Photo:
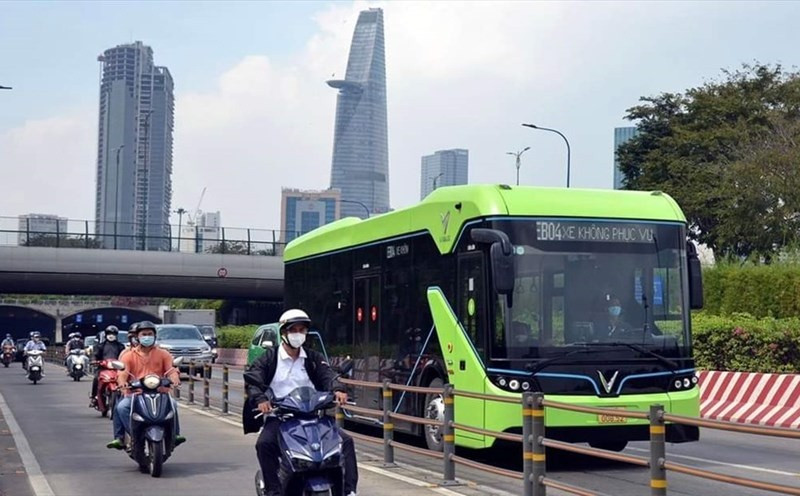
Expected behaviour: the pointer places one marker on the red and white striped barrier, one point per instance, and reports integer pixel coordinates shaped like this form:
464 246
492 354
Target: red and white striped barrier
751 398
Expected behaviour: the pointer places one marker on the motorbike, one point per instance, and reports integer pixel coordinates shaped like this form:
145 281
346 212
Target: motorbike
107 389
77 364
152 437
34 364
310 462
8 355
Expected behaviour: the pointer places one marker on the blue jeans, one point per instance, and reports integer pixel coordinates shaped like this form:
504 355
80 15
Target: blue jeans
122 417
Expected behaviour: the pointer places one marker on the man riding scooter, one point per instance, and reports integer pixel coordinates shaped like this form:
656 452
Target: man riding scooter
110 349
35 343
8 349
75 343
143 360
275 375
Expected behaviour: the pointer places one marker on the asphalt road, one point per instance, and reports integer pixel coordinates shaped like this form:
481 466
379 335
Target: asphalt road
66 441
768 459
218 458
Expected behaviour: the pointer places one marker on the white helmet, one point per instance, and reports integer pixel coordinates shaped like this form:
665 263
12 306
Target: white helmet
293 316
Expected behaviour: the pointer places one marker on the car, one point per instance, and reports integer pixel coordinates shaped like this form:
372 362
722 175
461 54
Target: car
210 336
268 336
88 344
184 340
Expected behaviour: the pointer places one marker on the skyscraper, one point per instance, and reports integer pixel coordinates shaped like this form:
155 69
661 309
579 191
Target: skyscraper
134 151
360 145
621 135
303 211
443 168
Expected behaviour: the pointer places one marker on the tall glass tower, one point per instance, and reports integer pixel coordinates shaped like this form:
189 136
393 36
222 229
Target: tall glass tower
360 145
621 135
134 150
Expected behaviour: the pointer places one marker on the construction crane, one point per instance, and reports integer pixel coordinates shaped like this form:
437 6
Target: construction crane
194 217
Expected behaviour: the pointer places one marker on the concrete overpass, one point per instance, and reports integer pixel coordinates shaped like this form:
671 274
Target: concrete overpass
43 270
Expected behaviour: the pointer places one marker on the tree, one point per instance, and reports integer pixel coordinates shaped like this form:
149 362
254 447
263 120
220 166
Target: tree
61 241
728 152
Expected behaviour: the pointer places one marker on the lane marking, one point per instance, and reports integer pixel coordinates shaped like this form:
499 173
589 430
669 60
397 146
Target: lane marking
37 479
726 464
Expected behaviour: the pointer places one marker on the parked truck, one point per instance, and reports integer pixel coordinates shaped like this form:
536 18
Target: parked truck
205 320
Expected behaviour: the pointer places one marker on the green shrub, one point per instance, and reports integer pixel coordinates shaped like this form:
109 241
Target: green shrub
743 343
759 290
236 336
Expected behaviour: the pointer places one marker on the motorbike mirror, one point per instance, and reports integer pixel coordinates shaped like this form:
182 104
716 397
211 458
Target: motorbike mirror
177 361
346 369
117 365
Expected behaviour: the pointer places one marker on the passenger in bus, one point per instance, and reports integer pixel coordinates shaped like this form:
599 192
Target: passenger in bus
611 326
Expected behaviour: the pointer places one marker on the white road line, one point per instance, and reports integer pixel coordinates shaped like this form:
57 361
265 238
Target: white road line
726 464
38 481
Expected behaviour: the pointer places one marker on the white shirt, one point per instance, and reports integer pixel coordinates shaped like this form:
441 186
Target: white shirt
289 373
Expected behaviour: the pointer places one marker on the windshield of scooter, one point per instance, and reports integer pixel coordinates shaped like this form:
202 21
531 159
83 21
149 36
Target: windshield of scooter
305 400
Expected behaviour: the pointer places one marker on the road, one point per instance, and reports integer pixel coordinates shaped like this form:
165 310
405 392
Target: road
768 459
76 440
66 441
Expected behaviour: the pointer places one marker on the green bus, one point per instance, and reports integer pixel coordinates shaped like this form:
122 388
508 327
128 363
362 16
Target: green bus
581 294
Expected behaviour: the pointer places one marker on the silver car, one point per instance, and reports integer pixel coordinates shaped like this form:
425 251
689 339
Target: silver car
183 340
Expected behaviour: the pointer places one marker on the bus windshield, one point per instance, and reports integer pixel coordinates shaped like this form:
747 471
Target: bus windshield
589 282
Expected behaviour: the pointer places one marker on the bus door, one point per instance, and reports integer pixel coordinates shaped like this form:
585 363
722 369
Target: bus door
366 338
469 375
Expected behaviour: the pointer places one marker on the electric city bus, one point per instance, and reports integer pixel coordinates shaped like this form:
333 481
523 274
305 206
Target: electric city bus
583 295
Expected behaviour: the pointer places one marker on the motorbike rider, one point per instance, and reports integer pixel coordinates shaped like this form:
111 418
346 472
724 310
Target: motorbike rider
110 349
8 341
145 359
275 375
133 339
35 343
75 343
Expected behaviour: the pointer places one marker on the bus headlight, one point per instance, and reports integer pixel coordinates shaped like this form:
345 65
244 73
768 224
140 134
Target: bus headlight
513 384
683 382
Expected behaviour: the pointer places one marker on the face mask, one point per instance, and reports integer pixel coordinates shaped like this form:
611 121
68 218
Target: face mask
147 341
111 337
296 339
615 310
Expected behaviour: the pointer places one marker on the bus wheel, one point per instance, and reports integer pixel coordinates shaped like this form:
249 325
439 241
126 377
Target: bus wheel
434 409
609 445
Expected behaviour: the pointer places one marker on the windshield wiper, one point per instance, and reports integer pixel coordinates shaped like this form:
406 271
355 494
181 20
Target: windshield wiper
536 367
641 349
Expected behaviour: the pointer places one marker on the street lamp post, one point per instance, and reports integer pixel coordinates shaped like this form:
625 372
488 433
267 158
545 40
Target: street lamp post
534 126
357 203
518 155
5 87
180 213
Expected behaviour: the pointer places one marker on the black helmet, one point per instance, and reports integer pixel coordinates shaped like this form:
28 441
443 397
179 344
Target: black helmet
145 324
293 316
134 328
112 329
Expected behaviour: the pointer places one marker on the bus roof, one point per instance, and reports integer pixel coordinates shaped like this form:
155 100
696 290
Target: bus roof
444 212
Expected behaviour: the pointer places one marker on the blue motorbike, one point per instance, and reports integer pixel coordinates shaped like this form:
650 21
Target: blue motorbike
310 463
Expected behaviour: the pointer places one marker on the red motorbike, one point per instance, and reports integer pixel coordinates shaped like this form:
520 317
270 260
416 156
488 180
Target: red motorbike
107 389
8 355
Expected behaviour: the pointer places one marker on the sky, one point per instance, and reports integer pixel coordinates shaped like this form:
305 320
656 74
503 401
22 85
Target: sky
253 113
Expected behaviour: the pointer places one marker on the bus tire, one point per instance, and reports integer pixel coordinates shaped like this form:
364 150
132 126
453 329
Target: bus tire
609 445
434 409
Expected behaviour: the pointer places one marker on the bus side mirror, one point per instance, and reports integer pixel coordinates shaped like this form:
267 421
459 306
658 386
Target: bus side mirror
695 277
502 255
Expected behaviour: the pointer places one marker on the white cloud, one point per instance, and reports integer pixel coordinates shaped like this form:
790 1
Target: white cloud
459 74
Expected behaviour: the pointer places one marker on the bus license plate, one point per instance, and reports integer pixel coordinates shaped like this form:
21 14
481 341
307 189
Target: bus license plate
611 419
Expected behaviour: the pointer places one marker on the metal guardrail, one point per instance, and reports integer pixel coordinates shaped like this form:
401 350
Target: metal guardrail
534 441
533 438
64 233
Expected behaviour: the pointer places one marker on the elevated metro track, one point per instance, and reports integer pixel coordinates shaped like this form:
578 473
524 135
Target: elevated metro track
40 270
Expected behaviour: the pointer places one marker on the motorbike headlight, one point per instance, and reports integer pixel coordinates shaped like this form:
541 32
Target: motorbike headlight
151 381
135 416
34 368
78 366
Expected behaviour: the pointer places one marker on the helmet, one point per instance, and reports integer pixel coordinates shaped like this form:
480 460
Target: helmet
8 335
36 334
77 335
293 316
112 330
145 324
134 328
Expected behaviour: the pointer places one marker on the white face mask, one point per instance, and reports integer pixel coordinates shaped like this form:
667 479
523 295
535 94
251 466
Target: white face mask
111 337
296 339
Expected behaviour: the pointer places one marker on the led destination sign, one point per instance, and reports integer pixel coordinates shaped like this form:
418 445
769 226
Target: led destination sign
604 232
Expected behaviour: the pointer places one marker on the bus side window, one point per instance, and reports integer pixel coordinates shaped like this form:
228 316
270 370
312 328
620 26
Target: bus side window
472 299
